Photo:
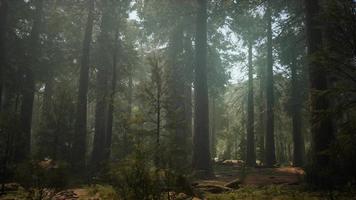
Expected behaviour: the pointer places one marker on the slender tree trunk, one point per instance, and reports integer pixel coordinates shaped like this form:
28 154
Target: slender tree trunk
79 143
125 143
47 146
321 123
158 83
188 109
23 150
261 111
109 126
250 150
213 127
270 154
201 152
3 64
188 96
298 139
47 97
3 31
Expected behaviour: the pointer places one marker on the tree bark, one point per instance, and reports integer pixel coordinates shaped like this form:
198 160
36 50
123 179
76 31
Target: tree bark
270 155
46 141
201 152
250 150
213 127
298 139
3 31
23 150
79 143
176 113
157 82
126 146
261 111
322 129
188 74
109 126
102 103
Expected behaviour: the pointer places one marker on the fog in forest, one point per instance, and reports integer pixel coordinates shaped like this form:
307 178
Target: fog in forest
177 99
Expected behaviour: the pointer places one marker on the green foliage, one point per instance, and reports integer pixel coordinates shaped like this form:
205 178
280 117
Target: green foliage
134 178
104 191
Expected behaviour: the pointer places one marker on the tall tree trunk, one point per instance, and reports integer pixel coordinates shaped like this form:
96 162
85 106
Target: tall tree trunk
100 118
126 146
23 150
298 139
261 111
321 123
270 154
176 114
250 150
213 127
103 74
188 96
3 31
109 126
47 146
3 64
79 143
157 81
201 152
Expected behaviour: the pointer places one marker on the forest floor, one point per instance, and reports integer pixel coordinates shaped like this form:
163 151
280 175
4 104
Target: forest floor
231 182
282 183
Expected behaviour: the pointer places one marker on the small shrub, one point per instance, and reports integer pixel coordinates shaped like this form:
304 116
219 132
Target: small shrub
134 178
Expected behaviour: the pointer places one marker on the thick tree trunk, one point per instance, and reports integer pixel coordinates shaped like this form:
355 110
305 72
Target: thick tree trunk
100 118
79 143
270 155
3 31
298 139
23 148
201 152
102 98
176 113
250 150
322 130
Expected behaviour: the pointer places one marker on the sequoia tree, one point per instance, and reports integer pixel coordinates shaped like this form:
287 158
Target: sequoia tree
321 123
201 153
270 157
23 146
79 143
3 30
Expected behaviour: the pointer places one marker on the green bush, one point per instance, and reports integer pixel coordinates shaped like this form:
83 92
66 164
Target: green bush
134 178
